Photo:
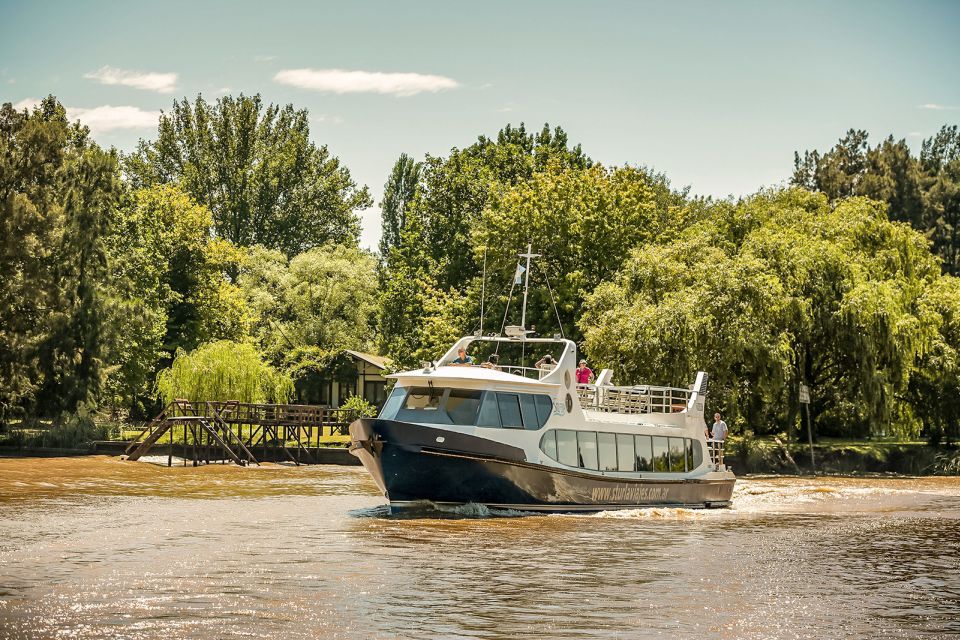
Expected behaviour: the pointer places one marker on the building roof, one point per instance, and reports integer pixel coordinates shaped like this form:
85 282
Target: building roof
377 361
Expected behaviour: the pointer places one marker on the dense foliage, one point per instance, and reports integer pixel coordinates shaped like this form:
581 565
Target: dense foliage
220 261
59 194
255 168
779 289
923 190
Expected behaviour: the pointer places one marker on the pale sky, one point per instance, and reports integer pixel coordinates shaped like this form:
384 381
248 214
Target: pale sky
717 95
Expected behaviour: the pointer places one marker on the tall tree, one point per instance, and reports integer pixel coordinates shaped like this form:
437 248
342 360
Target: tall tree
940 160
255 168
58 199
323 298
921 191
434 262
397 194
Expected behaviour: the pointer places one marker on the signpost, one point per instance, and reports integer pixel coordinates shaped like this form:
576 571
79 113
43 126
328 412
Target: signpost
805 400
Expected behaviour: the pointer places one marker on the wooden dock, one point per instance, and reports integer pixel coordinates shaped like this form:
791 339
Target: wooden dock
239 431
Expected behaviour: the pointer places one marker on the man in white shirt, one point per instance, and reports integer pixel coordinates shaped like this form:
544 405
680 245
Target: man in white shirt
719 431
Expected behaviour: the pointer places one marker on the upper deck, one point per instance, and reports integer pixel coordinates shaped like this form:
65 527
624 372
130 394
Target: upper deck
514 370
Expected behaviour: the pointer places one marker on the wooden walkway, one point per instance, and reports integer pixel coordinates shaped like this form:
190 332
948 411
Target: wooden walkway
238 431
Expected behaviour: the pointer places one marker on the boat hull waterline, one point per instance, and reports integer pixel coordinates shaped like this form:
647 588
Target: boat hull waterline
412 468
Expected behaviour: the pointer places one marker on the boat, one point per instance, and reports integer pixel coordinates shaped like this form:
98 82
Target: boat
507 435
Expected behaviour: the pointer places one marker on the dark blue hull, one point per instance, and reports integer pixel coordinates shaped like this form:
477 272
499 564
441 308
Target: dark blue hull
411 467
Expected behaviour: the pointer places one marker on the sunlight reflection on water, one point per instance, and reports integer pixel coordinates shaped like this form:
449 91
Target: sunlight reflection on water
96 548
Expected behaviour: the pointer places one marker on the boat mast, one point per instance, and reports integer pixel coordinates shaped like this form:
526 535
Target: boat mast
526 285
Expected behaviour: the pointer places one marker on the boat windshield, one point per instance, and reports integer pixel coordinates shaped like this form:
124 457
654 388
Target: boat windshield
469 407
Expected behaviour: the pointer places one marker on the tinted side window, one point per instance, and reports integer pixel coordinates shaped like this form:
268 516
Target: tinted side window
697 453
626 458
587 447
677 456
462 406
567 447
548 444
529 410
489 413
661 457
509 404
607 451
424 399
544 408
644 453
422 404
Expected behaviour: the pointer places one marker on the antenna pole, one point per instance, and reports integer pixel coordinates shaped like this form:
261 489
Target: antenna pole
526 285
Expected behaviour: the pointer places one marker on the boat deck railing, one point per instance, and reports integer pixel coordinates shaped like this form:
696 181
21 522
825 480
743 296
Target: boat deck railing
533 373
632 400
715 448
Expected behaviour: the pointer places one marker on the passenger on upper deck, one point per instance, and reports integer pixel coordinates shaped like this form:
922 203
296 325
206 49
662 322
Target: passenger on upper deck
546 363
493 362
462 359
584 373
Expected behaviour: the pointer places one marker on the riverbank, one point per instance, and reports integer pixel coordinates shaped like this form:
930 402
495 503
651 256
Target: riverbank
842 457
319 455
754 456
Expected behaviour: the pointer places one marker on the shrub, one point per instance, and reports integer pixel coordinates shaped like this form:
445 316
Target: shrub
360 407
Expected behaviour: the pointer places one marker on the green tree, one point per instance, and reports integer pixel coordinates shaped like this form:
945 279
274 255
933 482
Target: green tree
778 289
435 258
397 194
583 222
922 191
324 298
940 160
255 168
171 289
934 392
223 370
59 194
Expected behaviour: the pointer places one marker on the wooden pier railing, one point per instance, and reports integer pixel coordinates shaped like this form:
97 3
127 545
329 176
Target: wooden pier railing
238 431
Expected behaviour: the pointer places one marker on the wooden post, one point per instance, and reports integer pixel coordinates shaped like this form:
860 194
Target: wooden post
170 450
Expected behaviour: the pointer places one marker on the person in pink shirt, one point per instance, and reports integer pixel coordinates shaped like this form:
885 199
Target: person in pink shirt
584 374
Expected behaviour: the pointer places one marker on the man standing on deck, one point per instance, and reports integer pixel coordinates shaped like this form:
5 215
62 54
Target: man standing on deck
719 431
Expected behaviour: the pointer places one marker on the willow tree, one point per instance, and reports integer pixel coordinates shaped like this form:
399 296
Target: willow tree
324 298
256 169
223 370
778 289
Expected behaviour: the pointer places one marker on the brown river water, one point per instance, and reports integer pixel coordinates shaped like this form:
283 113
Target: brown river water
96 547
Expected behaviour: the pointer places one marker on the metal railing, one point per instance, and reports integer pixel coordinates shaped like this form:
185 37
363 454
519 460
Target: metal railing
526 372
632 400
715 448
